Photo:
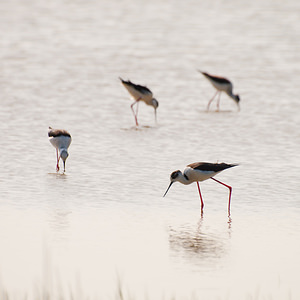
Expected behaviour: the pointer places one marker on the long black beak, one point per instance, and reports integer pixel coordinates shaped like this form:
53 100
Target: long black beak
168 188
64 165
155 115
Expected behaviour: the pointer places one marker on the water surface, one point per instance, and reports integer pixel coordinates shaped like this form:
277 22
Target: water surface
104 222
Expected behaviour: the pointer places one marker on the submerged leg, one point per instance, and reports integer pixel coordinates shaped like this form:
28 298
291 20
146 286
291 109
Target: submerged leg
230 190
211 100
135 113
136 122
202 204
218 101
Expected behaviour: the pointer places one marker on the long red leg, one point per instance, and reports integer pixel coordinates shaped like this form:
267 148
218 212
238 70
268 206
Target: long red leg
211 100
230 191
218 102
202 204
135 113
57 161
136 122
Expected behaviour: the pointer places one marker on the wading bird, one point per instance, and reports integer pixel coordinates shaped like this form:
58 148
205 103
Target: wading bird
61 140
201 171
139 93
221 84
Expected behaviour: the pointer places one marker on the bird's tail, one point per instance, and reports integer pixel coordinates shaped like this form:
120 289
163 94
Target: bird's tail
203 73
229 165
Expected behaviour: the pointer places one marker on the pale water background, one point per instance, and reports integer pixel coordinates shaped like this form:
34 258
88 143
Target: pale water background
104 224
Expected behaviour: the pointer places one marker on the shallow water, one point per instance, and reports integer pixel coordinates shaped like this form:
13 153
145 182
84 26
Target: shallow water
104 221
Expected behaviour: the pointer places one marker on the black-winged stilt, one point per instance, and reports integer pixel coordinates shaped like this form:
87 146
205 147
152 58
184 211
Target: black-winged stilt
139 93
201 171
61 140
221 84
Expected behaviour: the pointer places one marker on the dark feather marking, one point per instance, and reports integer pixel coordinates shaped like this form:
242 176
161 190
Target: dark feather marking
58 132
185 176
175 174
218 79
204 166
142 89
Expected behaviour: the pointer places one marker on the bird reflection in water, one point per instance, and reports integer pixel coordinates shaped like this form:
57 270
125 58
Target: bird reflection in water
196 243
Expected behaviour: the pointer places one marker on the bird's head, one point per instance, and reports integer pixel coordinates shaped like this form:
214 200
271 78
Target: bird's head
237 100
155 105
173 178
64 154
174 175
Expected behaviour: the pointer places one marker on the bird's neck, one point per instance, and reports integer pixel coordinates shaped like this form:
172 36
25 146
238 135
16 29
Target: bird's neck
61 150
63 153
182 178
231 95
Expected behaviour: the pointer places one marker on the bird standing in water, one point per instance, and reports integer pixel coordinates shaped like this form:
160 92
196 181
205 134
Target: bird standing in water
201 171
221 84
61 140
140 93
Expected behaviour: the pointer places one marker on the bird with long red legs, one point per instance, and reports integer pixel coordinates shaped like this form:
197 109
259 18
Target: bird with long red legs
221 84
201 171
61 140
140 93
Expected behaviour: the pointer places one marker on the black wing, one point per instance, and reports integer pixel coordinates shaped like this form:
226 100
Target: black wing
57 132
205 166
140 88
216 78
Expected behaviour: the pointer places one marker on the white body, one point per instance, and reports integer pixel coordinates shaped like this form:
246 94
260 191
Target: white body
146 97
222 87
196 175
221 84
60 142
200 171
226 88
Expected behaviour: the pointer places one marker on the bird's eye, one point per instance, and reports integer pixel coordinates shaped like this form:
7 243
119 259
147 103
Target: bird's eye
174 174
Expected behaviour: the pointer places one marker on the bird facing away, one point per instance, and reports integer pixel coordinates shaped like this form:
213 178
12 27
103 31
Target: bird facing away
201 171
139 93
221 84
61 140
